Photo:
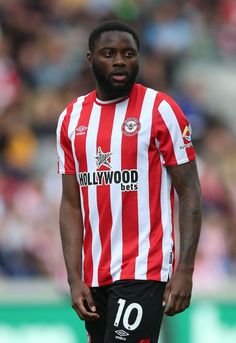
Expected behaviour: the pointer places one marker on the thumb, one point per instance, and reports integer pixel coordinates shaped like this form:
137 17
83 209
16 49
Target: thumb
90 302
166 294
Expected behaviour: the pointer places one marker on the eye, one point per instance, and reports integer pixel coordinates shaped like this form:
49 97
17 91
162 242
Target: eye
130 53
108 53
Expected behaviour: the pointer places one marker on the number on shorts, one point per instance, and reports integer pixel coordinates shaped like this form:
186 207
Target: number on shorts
129 309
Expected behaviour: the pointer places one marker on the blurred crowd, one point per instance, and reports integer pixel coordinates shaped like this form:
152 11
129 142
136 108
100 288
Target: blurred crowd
188 51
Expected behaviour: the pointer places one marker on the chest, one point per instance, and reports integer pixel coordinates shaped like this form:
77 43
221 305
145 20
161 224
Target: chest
113 136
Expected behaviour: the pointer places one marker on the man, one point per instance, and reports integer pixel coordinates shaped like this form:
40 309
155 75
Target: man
122 149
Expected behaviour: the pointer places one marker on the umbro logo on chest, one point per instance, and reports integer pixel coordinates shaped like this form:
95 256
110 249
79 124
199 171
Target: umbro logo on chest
81 130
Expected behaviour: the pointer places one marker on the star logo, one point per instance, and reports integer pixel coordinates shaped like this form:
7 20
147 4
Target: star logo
102 158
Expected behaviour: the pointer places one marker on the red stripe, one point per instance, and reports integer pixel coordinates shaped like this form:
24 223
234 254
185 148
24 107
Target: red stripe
80 148
129 146
155 255
147 340
103 196
69 164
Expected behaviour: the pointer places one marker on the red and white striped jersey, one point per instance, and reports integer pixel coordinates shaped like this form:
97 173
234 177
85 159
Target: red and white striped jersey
119 152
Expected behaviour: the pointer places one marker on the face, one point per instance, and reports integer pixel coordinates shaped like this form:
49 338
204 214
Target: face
114 62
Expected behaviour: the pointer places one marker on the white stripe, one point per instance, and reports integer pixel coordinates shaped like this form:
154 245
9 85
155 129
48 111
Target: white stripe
115 192
143 184
83 216
74 118
166 214
91 146
75 115
172 124
60 151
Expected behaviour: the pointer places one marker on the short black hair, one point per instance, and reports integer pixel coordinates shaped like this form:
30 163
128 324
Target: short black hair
111 25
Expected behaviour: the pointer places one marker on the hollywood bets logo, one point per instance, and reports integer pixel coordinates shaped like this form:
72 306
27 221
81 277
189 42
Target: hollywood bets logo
126 178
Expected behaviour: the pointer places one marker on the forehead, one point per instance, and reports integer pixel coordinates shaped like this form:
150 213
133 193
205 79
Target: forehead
116 39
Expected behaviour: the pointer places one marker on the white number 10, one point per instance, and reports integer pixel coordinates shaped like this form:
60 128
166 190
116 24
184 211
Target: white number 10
127 312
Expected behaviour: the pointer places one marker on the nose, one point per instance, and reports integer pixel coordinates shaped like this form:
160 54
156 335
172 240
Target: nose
118 60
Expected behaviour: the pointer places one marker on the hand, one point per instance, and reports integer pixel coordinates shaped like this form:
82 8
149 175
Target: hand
82 301
178 291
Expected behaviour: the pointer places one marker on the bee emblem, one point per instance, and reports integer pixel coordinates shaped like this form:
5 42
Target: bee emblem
131 126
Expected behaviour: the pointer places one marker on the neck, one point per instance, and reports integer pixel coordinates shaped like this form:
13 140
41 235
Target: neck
111 94
110 101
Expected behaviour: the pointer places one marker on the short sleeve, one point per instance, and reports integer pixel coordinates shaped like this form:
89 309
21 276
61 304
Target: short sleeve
173 133
66 164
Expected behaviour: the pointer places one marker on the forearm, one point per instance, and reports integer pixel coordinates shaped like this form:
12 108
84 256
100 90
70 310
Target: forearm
71 230
186 182
180 285
190 225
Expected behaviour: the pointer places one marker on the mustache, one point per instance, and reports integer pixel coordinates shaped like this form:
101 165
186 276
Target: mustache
120 72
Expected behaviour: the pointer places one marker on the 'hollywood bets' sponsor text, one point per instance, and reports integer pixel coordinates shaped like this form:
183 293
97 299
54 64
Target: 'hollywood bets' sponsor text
128 179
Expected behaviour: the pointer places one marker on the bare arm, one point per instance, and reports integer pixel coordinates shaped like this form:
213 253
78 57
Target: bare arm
71 229
186 183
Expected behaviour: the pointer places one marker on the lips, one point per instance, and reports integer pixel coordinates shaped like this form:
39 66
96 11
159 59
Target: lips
119 76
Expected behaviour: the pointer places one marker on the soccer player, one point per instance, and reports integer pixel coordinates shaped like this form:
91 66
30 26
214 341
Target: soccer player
123 149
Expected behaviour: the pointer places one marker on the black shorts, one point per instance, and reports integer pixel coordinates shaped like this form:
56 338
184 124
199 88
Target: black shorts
130 311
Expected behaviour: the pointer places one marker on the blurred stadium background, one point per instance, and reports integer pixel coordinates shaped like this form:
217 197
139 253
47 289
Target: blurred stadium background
188 51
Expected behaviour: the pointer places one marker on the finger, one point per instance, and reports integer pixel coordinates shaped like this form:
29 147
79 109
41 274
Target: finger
171 306
90 302
85 315
77 310
83 312
166 294
185 304
179 304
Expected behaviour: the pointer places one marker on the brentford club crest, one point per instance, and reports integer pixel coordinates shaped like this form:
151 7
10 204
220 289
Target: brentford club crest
131 126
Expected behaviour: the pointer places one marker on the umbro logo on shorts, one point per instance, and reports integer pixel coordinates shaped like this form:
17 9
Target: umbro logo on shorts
121 333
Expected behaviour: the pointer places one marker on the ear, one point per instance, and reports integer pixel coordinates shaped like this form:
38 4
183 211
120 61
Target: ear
89 58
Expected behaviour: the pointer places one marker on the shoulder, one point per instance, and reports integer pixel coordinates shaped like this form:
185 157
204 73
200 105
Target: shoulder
77 102
144 89
166 98
161 96
167 105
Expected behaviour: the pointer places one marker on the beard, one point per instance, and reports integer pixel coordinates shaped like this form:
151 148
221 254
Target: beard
111 89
